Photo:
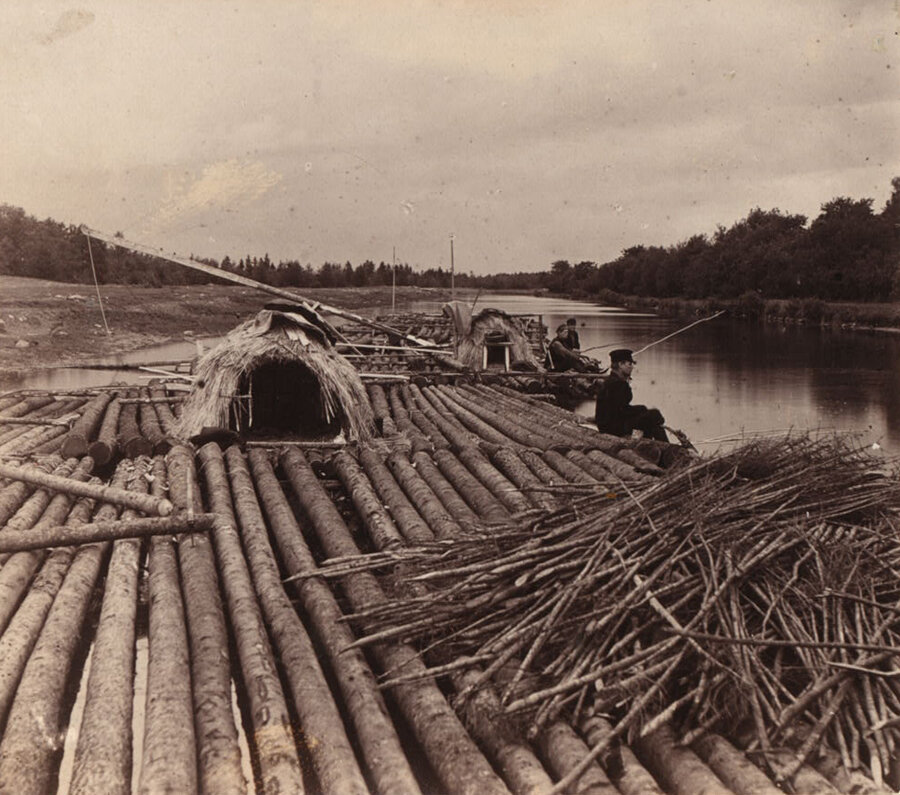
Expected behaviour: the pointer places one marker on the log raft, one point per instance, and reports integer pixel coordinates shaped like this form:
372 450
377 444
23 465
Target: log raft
219 530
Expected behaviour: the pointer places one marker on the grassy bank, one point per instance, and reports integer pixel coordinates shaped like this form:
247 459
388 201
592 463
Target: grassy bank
750 306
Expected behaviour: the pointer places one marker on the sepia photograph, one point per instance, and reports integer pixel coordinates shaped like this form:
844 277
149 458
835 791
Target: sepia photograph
442 397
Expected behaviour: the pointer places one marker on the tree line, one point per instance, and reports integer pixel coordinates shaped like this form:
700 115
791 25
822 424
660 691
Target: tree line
60 252
848 252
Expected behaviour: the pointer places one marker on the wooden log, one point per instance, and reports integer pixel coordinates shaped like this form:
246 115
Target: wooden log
30 421
420 494
541 470
24 628
610 474
409 521
501 487
619 761
569 471
455 758
163 405
563 749
735 769
516 762
15 492
95 532
151 430
105 446
508 431
450 427
20 567
169 742
320 725
130 439
447 492
26 406
443 401
39 441
510 465
679 769
218 751
142 502
278 761
476 494
102 759
26 756
366 501
381 410
363 701
83 431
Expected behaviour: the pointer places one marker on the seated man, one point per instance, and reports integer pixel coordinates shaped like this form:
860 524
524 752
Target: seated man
573 343
614 413
560 357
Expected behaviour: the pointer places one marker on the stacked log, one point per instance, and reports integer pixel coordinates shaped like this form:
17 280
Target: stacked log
365 706
218 751
84 430
106 445
456 759
169 756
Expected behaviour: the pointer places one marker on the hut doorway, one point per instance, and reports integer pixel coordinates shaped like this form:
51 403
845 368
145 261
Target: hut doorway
284 399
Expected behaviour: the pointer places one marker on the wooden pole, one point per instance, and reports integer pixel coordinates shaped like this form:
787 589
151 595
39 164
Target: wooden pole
218 749
103 754
219 273
129 499
90 533
321 727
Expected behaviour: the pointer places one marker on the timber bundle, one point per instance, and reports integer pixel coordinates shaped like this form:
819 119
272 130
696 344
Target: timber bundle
757 591
637 611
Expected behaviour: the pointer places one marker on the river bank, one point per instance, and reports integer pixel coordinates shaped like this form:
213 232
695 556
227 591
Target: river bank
855 315
44 323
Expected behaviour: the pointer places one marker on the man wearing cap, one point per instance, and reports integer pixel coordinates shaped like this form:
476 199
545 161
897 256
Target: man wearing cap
572 342
614 413
560 356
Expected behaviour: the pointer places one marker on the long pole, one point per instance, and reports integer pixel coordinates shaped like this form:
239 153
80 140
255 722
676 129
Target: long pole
394 282
221 273
452 274
669 336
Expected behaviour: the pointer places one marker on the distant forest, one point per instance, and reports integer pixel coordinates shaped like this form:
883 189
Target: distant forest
848 253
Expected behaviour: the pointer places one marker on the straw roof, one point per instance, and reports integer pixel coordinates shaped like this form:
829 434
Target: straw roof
494 320
276 337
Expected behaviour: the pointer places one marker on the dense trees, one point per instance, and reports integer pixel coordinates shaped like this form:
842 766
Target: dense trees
849 252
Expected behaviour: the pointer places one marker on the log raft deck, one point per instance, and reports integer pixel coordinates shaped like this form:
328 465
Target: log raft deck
173 615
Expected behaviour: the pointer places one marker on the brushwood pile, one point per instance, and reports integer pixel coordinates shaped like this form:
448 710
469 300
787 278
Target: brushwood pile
481 594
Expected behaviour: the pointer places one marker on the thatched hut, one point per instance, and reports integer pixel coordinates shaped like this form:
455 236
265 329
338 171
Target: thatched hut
496 340
278 375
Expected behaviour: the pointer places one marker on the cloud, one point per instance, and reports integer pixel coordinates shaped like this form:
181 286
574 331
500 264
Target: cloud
228 185
69 22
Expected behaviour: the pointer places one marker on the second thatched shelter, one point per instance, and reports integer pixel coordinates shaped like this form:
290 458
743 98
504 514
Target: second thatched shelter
495 340
278 375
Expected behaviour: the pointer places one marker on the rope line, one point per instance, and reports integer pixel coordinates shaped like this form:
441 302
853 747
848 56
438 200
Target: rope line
97 286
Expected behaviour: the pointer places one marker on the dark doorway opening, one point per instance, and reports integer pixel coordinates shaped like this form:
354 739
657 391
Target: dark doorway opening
284 399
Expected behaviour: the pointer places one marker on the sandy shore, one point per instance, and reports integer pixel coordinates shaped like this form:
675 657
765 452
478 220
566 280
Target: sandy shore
45 324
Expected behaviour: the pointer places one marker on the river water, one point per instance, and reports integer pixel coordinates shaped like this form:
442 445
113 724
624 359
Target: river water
725 379
717 381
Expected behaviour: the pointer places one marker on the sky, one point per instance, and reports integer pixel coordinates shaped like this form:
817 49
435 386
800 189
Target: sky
528 131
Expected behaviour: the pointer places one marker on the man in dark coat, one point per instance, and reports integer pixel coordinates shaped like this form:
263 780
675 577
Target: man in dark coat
572 342
614 413
560 357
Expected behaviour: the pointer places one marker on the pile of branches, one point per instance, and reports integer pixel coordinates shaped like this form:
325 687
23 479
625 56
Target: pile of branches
757 590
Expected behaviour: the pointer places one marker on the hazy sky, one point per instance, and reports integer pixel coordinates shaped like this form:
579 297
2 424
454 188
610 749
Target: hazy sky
533 131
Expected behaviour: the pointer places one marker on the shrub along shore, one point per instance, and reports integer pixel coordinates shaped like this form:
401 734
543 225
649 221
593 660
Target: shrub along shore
857 315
